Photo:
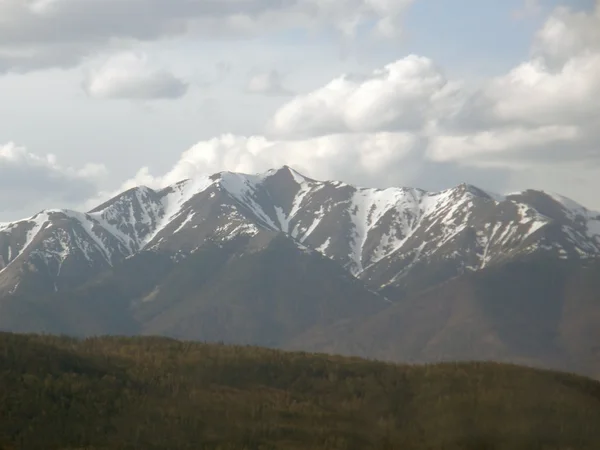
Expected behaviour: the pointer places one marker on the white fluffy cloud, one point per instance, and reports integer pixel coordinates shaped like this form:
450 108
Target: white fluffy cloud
371 159
537 113
403 95
567 33
29 181
360 155
132 76
543 112
45 33
407 123
407 119
534 94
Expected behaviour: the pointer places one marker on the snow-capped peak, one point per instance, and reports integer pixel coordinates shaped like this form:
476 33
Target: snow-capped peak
377 234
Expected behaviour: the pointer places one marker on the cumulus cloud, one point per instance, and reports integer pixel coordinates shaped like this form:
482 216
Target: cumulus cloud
534 94
29 181
567 33
543 112
267 83
381 159
538 113
408 124
47 33
360 156
131 76
401 96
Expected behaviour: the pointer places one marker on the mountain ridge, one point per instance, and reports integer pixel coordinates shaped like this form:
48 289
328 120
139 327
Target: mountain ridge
379 235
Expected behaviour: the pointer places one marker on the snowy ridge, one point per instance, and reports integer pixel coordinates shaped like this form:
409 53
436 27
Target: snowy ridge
576 211
377 234
32 227
64 232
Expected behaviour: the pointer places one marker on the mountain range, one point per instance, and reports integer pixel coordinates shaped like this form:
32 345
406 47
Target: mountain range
279 259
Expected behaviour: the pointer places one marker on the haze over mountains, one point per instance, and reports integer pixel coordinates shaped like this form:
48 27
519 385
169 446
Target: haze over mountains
283 260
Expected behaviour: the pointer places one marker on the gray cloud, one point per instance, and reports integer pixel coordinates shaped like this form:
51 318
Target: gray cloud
29 182
221 71
267 83
131 76
37 34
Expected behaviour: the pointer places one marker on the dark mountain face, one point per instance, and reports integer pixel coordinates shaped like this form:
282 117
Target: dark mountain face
261 290
540 312
280 259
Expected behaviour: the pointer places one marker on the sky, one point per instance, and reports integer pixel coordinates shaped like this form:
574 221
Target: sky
98 96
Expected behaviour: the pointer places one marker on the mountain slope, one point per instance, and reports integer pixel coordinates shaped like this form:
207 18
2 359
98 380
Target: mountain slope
538 312
56 249
262 290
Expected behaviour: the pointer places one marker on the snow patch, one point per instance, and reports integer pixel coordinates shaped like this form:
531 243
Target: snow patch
187 220
324 246
174 200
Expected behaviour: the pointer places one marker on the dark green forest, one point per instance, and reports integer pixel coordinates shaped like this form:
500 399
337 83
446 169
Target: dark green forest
159 393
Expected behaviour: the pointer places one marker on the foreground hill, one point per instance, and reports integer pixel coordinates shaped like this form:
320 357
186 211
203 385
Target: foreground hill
151 393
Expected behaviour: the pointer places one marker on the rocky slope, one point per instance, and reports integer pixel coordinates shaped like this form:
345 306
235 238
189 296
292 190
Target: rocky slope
539 312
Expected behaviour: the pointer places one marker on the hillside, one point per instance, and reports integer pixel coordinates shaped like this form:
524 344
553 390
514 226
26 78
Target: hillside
264 290
539 312
157 393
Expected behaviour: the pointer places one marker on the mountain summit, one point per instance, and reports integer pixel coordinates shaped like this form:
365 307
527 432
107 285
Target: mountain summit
383 236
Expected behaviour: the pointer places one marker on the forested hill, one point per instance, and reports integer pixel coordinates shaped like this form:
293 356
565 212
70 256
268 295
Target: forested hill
157 393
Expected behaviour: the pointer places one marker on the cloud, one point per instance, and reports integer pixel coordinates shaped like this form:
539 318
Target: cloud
401 96
267 83
358 155
567 33
409 124
61 33
532 93
220 72
539 113
131 76
29 181
380 159
500 146
543 112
